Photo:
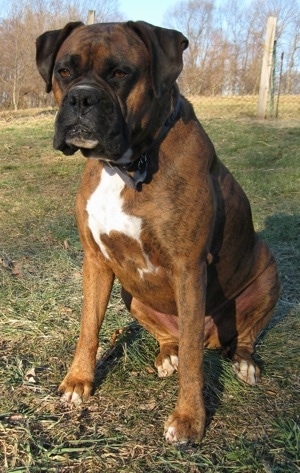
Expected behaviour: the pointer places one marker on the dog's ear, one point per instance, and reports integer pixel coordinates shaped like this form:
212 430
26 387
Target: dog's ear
47 46
166 47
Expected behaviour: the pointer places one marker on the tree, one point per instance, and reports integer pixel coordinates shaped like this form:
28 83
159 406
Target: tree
224 56
226 43
20 84
195 19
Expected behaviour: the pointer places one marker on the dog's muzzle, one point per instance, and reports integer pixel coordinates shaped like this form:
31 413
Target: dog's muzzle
81 100
91 120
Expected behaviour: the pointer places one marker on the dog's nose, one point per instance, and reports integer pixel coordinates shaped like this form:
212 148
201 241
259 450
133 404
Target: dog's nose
81 99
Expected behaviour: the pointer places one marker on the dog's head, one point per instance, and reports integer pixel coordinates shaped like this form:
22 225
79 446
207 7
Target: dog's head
112 82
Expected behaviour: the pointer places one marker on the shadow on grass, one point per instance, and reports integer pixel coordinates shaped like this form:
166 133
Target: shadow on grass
134 334
282 233
282 229
113 355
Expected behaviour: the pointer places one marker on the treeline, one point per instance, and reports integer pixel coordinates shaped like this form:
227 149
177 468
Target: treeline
20 84
227 44
224 56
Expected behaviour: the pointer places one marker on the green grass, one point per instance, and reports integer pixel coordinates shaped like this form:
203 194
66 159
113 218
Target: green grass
120 428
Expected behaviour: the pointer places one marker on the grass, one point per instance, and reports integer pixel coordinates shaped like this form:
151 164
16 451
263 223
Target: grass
120 428
241 106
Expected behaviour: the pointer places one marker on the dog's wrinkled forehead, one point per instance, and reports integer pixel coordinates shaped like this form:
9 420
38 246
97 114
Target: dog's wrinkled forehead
147 47
96 43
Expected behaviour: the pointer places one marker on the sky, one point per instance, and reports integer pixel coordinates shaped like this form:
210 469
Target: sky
151 11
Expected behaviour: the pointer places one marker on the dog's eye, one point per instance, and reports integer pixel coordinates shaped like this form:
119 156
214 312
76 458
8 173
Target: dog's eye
64 73
118 74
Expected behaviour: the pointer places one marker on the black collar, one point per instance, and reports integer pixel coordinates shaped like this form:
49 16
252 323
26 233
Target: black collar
140 166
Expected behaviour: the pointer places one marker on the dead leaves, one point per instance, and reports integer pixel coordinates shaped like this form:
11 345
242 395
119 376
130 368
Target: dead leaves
30 376
12 266
115 336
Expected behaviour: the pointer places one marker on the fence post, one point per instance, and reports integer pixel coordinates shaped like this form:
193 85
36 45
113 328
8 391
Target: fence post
91 17
265 78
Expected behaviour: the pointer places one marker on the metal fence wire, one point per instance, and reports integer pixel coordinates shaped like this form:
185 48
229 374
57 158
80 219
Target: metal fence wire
261 83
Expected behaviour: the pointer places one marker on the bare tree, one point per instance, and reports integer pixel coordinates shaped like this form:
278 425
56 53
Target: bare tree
205 55
226 43
292 75
224 56
20 84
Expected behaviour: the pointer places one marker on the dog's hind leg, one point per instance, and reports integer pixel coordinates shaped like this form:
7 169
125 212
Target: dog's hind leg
163 327
254 308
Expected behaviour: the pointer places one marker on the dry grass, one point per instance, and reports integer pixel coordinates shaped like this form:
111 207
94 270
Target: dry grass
244 106
120 428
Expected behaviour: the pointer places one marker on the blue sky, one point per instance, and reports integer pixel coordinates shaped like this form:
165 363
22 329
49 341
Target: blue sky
151 11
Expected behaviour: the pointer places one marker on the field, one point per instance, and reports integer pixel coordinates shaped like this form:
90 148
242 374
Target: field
245 106
120 429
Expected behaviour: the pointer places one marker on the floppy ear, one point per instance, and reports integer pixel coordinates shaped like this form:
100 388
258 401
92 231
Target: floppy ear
166 47
47 46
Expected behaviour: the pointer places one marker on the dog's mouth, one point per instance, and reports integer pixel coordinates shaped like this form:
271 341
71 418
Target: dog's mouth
76 138
94 140
81 138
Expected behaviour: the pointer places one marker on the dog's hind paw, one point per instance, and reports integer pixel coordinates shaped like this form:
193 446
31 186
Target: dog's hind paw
168 366
246 371
166 362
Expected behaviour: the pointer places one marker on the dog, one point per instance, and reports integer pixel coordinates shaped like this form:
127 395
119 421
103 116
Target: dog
156 209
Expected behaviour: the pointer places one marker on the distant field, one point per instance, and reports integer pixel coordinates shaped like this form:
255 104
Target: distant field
245 106
120 429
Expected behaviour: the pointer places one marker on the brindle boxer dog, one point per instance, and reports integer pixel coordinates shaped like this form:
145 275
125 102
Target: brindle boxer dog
156 209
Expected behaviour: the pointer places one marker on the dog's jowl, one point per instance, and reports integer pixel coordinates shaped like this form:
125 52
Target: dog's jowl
156 209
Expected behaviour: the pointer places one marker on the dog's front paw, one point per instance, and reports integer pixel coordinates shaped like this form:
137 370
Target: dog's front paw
75 389
181 428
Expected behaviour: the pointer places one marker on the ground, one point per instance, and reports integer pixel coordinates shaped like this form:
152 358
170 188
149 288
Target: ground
249 429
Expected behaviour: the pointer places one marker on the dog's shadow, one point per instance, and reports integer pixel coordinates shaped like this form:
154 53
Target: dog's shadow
282 233
115 352
134 334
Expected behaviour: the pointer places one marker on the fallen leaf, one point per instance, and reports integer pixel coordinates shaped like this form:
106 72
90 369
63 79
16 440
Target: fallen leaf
115 336
16 270
6 262
30 376
15 418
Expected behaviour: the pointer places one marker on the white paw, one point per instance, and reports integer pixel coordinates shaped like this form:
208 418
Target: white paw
171 435
168 366
71 397
246 371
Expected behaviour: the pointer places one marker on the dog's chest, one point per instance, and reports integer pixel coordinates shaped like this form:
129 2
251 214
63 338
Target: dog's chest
112 228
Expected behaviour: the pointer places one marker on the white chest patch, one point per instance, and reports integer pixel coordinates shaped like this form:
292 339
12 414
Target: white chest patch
105 214
105 210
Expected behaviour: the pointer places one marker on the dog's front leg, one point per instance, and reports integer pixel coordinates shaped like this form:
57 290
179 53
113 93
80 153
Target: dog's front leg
187 421
97 284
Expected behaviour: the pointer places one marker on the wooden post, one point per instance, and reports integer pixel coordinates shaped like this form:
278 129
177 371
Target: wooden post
265 78
91 17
